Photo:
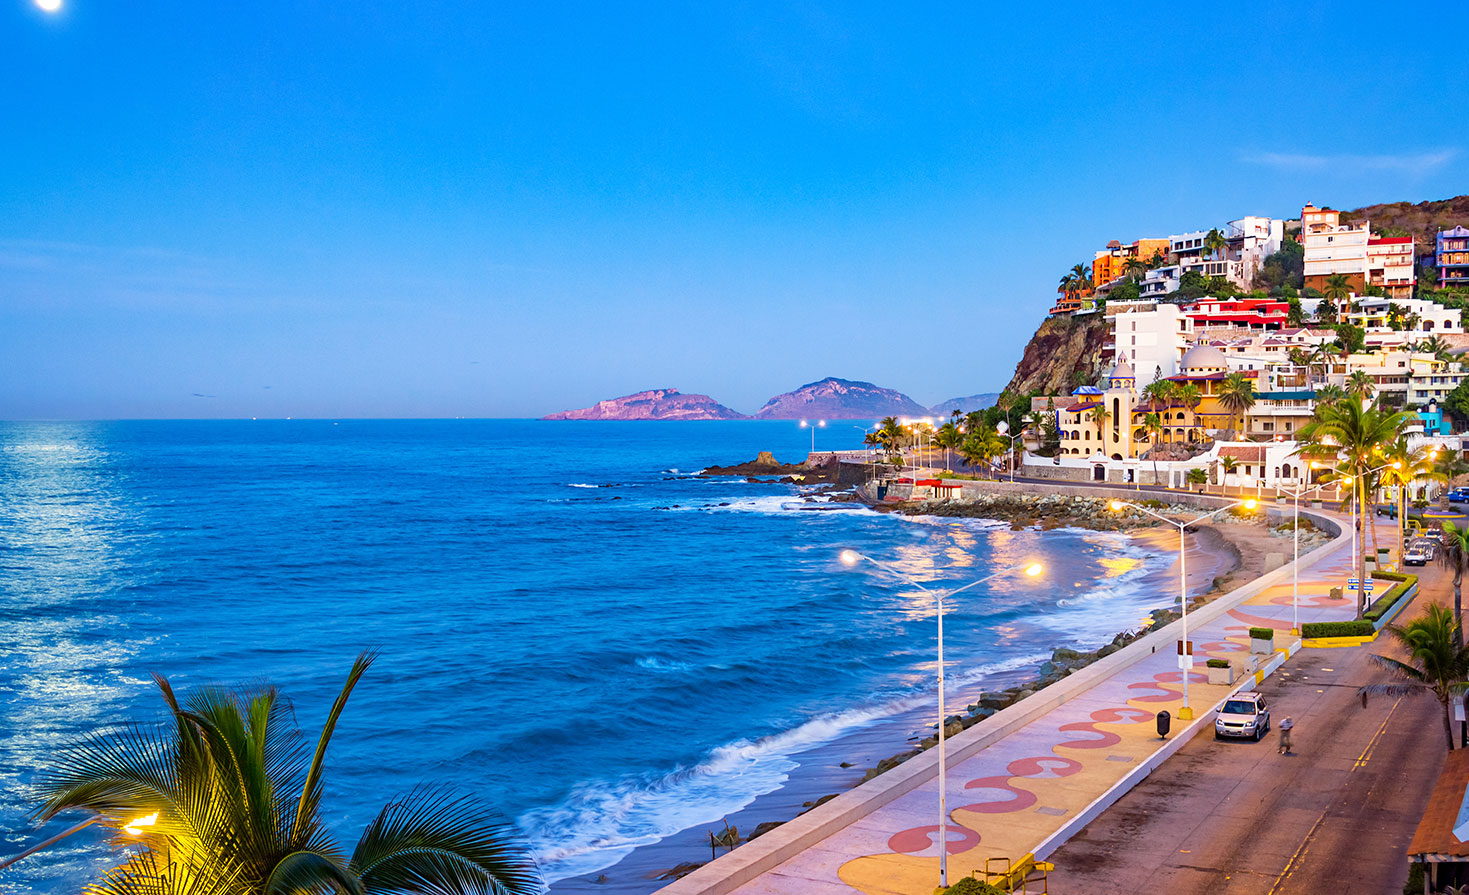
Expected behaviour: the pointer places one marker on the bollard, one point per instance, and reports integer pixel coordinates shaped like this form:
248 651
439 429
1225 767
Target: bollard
1164 719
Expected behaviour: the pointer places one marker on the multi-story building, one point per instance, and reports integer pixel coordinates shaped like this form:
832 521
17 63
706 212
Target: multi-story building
1248 242
1432 380
1280 414
1111 263
1149 336
1417 315
1451 256
1333 248
1252 239
1240 313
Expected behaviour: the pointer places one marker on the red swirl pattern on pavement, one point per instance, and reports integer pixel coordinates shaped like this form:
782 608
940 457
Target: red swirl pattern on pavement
920 839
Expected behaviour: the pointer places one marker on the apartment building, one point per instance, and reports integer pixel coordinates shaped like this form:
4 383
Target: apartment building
1240 313
1433 379
1110 264
1451 257
1417 315
1149 336
1333 248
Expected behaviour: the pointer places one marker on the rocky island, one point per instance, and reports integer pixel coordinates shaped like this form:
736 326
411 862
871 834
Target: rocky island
839 399
654 404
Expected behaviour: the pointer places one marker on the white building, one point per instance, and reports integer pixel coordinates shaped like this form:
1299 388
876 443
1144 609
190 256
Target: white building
1150 336
1350 250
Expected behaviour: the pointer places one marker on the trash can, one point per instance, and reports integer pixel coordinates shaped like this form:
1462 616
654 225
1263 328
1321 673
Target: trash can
1164 721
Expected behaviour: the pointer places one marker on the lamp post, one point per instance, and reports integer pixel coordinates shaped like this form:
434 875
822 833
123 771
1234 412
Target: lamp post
1186 713
132 828
1003 427
1359 479
819 424
852 558
1295 571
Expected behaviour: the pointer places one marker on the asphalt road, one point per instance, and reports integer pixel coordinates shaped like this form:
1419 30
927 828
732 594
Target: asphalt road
1237 817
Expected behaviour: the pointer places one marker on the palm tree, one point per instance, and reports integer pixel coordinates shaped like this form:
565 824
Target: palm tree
1081 275
1449 466
1160 392
1322 355
890 434
981 446
1346 432
1135 268
1337 287
238 802
1153 425
1189 396
1410 465
1237 395
1455 557
948 438
1360 385
1229 465
1215 243
1100 416
1436 346
1437 662
1196 477
1329 394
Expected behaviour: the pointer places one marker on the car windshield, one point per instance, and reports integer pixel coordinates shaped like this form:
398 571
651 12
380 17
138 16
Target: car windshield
1239 707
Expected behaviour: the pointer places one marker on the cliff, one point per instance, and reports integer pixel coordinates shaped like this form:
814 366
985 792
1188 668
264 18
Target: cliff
839 399
655 404
1065 352
1422 220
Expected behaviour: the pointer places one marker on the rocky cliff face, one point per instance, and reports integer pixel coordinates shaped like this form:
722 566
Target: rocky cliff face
839 399
1065 352
655 404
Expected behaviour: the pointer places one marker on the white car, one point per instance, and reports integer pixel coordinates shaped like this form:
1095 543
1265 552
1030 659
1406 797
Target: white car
1417 555
1242 715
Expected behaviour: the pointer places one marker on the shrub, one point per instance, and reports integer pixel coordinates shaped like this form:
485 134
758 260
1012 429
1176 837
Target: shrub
1338 629
1152 503
971 886
1385 602
1262 633
1217 663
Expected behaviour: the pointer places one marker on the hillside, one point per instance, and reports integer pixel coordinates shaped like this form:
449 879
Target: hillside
838 399
965 404
654 404
1064 352
1422 220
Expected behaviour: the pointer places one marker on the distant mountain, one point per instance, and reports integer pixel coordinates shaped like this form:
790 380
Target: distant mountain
973 402
654 404
839 399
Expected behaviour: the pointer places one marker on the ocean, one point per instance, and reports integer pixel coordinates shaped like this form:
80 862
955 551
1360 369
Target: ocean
572 626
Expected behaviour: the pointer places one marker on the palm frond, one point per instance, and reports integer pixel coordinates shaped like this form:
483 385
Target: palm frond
306 808
433 842
309 871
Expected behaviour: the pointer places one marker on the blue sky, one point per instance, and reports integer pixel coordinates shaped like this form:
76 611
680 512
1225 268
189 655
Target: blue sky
469 209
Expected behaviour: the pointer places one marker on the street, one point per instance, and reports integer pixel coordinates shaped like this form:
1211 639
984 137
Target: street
1237 817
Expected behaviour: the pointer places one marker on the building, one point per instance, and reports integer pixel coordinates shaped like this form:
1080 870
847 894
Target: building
1432 379
1416 315
1206 367
1333 248
1111 263
1150 336
1260 314
1252 239
1451 257
1441 842
1280 414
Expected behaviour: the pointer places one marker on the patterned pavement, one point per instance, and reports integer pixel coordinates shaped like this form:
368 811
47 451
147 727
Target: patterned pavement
1014 794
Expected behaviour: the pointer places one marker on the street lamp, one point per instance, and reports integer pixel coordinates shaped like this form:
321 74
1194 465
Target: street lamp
1003 427
1185 660
852 558
1354 481
819 424
132 828
1295 571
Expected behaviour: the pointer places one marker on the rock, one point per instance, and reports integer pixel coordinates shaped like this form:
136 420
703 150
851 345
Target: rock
681 871
654 404
1108 650
766 827
833 398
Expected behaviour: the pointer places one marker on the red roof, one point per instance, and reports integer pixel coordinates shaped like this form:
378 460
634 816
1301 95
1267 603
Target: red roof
1388 240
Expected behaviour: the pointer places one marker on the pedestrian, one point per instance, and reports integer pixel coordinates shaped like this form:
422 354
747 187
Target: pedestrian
1285 728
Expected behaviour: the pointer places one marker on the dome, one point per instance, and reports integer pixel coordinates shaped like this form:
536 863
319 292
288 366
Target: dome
1122 371
1203 357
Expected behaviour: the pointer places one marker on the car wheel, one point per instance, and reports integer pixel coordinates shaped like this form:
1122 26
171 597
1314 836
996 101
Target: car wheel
1217 736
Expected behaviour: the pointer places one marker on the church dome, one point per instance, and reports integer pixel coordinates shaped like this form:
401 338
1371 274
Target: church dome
1122 371
1203 357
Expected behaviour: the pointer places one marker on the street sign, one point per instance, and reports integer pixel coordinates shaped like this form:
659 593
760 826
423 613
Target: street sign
1185 647
1185 662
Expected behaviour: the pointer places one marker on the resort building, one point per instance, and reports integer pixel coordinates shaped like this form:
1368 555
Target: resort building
1260 314
1391 264
1206 367
1432 379
1451 256
1415 315
1149 336
1111 263
1333 248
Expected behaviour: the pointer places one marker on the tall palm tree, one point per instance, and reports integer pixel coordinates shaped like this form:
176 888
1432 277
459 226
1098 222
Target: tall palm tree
1153 425
1337 287
981 447
1100 416
1189 396
1135 268
1082 277
1361 385
238 802
1237 395
1328 394
1160 392
1449 466
1455 557
1353 436
948 438
890 434
1323 355
1412 464
1437 664
1228 464
1215 243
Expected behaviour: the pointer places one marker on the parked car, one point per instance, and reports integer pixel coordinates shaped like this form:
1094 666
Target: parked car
1417 555
1243 715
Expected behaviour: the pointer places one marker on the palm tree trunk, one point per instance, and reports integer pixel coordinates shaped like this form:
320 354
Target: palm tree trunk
1401 514
1458 604
1448 724
1357 489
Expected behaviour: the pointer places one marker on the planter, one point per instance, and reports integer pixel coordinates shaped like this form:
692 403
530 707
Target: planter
1223 676
1262 641
1334 593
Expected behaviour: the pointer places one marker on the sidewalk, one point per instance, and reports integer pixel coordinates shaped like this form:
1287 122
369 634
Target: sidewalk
1013 796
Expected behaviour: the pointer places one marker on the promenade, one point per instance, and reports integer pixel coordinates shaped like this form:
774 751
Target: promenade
1047 773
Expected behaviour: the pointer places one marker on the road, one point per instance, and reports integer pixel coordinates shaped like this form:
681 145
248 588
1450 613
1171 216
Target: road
1239 818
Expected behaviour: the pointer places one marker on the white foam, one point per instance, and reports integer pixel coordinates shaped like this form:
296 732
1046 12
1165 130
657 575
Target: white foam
654 663
579 485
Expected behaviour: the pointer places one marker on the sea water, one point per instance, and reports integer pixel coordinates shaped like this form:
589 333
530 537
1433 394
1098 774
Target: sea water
572 626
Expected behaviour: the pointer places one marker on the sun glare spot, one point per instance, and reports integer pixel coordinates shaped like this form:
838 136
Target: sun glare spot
55 6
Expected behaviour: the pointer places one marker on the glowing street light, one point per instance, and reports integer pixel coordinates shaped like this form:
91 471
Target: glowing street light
1185 659
819 424
1033 570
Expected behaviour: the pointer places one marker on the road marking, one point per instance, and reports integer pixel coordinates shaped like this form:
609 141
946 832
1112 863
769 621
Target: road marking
1361 762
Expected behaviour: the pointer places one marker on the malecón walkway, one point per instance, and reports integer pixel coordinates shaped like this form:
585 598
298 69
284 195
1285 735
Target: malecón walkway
1023 781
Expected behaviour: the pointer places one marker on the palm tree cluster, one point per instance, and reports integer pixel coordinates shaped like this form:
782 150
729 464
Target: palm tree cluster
237 798
1077 281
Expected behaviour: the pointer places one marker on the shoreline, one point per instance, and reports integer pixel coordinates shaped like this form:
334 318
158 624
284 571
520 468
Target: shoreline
1219 555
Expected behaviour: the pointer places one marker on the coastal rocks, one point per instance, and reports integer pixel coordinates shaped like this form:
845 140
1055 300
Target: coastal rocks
1043 510
833 398
654 404
765 464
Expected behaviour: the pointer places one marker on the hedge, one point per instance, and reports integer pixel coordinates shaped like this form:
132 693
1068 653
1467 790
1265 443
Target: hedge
1385 602
1338 629
1262 633
1217 663
971 886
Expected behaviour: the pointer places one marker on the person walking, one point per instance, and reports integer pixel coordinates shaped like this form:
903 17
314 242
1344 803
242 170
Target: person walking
1285 729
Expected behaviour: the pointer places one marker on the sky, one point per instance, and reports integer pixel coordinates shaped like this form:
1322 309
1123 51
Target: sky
410 209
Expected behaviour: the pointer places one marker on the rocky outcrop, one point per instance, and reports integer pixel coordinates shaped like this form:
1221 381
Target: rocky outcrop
1065 352
1422 221
839 399
655 404
965 405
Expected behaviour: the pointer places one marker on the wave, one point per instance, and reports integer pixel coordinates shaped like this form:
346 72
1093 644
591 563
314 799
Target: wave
580 485
654 663
602 821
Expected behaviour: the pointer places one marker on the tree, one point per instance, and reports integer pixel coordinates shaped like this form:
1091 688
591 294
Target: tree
1361 385
1437 664
1326 311
1236 395
1189 396
890 435
1160 392
1228 465
1410 464
1100 416
1196 477
1295 315
238 803
1124 290
1436 346
1215 243
1135 268
1153 425
1456 402
948 438
1192 284
1337 287
1283 270
1351 339
1352 436
1455 557
982 446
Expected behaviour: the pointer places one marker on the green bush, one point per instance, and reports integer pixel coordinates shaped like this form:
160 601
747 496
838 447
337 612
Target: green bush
1152 503
1382 604
1338 629
1212 663
971 886
1255 634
